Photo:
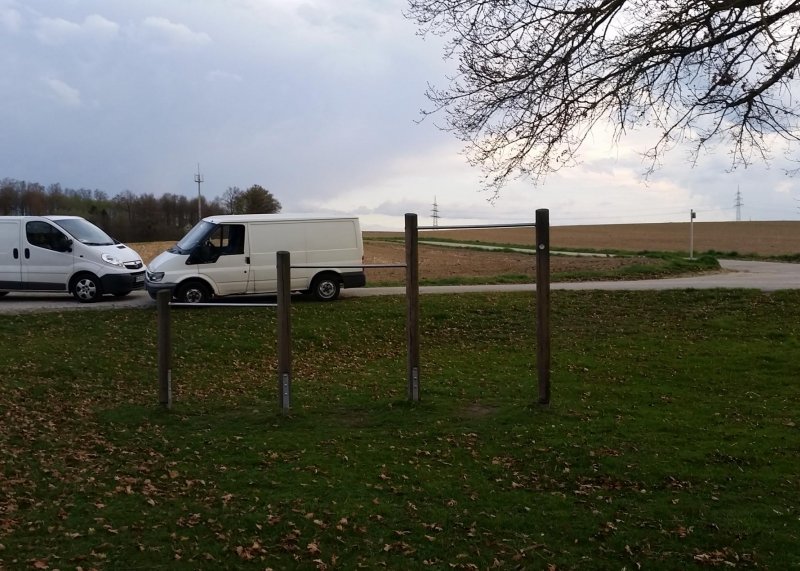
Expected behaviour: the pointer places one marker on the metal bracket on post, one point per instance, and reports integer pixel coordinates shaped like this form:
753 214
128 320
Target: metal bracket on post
414 396
286 392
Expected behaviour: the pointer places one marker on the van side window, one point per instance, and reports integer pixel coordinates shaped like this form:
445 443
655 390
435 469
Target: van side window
224 240
44 235
228 239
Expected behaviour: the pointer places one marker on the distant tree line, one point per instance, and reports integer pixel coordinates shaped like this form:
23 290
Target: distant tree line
129 217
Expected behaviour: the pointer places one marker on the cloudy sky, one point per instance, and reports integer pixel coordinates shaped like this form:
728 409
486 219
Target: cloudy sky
317 100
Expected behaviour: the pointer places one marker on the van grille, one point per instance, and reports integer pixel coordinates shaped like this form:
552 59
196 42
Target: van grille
134 265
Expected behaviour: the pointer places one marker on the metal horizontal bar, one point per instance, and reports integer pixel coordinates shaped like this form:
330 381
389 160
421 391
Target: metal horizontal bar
313 267
223 305
520 225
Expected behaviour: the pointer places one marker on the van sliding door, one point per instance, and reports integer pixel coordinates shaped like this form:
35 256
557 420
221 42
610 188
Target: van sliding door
266 240
10 255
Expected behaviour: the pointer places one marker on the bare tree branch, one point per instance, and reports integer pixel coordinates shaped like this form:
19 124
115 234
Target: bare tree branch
534 76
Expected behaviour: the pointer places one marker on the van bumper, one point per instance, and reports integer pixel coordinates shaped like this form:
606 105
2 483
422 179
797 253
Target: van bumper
354 279
122 283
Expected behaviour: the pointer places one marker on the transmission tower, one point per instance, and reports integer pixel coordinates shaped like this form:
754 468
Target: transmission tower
435 213
198 178
738 204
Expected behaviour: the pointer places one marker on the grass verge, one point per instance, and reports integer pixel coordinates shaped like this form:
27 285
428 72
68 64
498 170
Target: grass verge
666 266
672 440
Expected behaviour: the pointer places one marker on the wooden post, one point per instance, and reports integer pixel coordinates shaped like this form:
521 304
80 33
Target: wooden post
412 300
543 303
284 332
164 349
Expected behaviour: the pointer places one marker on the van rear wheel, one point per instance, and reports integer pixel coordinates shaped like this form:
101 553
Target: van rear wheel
326 287
86 288
193 292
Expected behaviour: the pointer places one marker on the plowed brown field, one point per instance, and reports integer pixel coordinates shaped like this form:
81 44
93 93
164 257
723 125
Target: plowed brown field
764 238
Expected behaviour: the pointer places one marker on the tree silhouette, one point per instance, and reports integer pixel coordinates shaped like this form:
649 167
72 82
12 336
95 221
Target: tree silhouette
258 200
127 216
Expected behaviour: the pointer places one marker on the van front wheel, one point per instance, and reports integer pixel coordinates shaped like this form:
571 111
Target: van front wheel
86 288
325 287
193 292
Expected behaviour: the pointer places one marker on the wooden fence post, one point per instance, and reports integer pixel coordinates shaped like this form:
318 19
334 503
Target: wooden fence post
164 349
543 303
284 332
412 300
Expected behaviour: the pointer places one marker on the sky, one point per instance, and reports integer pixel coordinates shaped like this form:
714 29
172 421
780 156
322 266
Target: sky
318 101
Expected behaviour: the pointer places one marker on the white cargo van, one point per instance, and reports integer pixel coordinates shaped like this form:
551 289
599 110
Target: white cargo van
236 254
65 253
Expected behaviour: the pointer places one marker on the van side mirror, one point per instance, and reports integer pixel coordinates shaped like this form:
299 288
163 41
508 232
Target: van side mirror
199 255
204 253
63 244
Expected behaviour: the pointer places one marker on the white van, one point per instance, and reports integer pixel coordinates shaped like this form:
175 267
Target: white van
236 254
65 253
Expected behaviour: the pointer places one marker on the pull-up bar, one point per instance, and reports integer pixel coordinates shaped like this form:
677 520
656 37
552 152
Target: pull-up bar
542 226
472 226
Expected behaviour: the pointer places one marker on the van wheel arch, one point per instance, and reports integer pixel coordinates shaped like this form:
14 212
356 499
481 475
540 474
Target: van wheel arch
326 286
193 291
86 287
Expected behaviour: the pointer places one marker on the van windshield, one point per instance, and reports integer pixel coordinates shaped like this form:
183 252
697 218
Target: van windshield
193 237
85 232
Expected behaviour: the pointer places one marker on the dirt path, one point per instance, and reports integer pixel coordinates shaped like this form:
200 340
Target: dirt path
764 276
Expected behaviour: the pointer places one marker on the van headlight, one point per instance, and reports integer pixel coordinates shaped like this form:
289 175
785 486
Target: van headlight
109 259
155 276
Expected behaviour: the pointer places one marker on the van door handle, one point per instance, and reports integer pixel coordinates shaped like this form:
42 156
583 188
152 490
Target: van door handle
16 254
27 253
247 259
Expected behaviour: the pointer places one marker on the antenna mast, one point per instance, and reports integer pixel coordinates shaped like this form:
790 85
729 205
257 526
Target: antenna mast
738 204
198 178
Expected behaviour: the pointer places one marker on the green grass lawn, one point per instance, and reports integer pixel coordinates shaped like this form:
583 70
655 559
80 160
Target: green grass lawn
672 440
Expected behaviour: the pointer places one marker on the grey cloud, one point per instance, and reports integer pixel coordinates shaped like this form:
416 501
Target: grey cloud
62 92
165 33
218 75
54 31
10 19
57 31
